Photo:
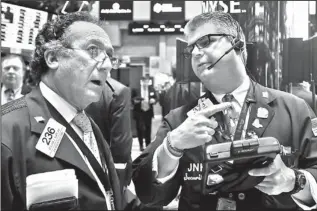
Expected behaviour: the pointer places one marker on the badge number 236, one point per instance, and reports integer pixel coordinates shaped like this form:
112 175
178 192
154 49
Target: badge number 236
48 135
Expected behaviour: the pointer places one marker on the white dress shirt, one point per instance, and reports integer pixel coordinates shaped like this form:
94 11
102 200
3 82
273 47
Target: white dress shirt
239 95
17 94
69 112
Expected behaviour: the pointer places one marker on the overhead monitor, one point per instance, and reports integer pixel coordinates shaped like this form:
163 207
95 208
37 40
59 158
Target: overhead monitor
20 26
155 28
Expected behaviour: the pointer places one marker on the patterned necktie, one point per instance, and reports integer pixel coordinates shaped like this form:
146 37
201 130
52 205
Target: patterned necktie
10 94
82 121
231 116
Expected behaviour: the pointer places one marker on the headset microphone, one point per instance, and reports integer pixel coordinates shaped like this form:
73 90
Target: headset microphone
112 89
237 45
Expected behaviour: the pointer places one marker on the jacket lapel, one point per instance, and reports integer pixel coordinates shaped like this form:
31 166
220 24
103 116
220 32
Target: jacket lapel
261 112
67 152
39 111
112 173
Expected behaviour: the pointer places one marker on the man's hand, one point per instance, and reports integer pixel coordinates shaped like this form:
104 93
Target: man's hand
197 129
278 177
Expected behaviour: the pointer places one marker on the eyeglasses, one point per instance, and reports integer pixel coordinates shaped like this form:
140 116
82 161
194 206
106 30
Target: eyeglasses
99 55
201 43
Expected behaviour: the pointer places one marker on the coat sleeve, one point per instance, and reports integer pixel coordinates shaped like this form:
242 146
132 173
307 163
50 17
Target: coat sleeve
308 149
7 183
13 174
148 189
120 132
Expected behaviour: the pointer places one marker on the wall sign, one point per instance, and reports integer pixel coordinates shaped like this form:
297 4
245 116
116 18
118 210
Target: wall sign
167 10
20 26
156 28
225 6
119 10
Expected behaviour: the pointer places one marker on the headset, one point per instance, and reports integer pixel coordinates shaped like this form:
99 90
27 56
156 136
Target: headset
112 89
237 45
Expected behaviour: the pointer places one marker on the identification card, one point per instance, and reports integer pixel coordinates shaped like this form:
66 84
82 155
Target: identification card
226 204
50 138
314 126
203 103
110 200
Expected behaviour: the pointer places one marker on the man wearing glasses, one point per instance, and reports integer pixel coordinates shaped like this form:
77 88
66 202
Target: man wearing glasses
47 131
216 45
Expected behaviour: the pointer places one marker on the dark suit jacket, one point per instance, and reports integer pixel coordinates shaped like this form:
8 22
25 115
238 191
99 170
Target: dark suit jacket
112 115
288 121
19 158
305 95
137 111
179 95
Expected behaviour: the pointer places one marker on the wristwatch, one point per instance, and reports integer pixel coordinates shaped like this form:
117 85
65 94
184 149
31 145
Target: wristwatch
300 181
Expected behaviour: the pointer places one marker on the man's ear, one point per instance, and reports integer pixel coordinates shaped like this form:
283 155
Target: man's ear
51 60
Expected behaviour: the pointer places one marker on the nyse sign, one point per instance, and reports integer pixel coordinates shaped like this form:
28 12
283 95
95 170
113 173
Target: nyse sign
225 6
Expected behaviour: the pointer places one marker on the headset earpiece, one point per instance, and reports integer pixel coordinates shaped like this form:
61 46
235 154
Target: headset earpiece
239 44
237 40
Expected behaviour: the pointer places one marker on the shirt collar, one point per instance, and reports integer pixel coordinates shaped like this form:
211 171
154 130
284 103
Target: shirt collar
239 93
61 105
17 90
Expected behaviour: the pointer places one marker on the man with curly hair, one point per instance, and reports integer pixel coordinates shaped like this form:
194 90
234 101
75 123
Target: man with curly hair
71 61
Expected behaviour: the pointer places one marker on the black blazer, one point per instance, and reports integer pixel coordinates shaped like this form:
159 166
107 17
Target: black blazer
112 114
289 121
19 158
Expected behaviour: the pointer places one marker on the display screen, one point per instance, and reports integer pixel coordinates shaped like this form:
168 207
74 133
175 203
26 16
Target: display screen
20 25
149 28
167 10
116 10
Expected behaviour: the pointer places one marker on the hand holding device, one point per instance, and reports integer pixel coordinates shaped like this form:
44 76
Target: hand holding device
227 164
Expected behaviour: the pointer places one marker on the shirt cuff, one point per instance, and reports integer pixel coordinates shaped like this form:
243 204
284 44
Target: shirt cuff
155 164
310 183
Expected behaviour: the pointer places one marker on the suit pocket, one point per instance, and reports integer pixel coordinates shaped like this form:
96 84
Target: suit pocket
70 203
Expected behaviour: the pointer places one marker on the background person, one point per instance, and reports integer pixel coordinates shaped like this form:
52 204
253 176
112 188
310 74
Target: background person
143 112
112 115
13 73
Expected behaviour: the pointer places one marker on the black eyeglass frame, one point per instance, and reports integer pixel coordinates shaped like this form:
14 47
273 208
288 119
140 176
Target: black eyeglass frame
114 60
189 49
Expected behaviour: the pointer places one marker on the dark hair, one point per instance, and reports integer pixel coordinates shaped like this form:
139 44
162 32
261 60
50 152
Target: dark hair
224 22
51 36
